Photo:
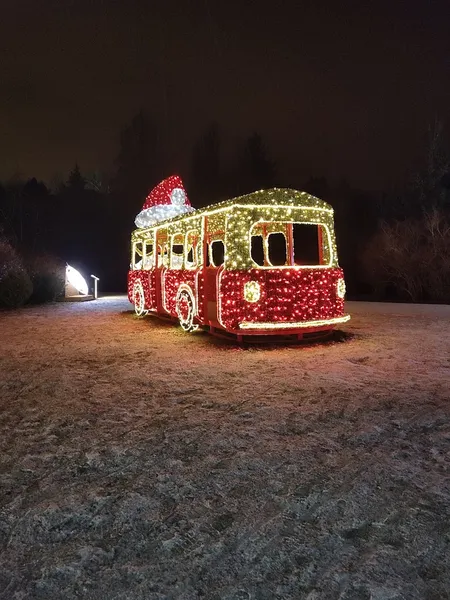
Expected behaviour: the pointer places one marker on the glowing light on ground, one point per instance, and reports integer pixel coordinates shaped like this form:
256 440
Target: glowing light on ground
76 279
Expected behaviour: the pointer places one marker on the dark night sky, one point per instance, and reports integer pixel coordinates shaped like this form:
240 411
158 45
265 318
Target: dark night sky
337 88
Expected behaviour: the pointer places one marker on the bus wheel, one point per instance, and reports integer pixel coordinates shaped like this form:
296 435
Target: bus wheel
186 310
139 299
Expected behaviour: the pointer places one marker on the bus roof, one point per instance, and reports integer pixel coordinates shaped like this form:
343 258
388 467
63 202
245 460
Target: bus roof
271 197
281 196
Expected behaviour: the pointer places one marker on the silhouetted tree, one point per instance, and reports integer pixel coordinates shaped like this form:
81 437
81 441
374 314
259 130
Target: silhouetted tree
429 187
252 170
431 183
97 183
319 187
76 181
260 169
24 211
410 250
35 200
35 189
4 212
205 181
139 164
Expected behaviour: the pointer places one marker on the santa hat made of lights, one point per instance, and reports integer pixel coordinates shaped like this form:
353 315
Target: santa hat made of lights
168 199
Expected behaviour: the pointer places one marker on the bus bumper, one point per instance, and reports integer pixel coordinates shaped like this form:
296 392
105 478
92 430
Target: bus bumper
266 327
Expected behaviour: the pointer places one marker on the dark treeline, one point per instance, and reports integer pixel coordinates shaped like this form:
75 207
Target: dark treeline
393 246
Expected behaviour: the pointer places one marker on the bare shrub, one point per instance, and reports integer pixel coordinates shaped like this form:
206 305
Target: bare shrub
47 275
15 283
413 255
436 275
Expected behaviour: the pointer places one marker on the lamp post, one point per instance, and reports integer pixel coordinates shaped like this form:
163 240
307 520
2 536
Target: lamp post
95 286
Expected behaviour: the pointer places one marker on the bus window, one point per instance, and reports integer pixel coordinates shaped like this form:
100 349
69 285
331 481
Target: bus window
163 259
257 249
199 249
306 240
177 251
191 254
149 259
277 249
137 256
217 253
190 264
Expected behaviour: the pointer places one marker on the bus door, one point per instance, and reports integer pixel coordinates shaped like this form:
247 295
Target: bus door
193 261
161 265
148 263
213 259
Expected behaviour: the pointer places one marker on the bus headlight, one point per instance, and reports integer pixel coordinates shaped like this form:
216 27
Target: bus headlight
252 291
340 288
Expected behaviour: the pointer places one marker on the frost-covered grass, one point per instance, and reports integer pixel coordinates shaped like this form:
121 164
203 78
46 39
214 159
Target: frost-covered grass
140 462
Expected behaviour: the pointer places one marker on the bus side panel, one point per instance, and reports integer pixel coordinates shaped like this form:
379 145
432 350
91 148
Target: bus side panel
131 279
173 279
152 287
142 276
158 274
201 296
286 296
233 308
210 297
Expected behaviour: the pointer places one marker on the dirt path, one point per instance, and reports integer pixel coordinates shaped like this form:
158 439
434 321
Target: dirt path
139 462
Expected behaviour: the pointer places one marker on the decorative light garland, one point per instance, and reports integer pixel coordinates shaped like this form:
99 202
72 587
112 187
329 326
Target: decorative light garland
240 294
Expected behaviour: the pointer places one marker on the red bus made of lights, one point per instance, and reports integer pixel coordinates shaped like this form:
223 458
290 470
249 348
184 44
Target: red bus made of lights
260 264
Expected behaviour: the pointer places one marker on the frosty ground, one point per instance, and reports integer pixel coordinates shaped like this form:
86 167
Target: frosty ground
139 462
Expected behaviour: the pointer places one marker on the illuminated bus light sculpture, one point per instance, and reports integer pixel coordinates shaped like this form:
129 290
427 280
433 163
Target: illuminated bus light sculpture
260 264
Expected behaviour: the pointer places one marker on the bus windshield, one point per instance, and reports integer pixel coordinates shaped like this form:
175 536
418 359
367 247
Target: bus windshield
287 244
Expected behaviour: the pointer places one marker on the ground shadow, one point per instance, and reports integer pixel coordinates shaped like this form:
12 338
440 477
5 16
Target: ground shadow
274 342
